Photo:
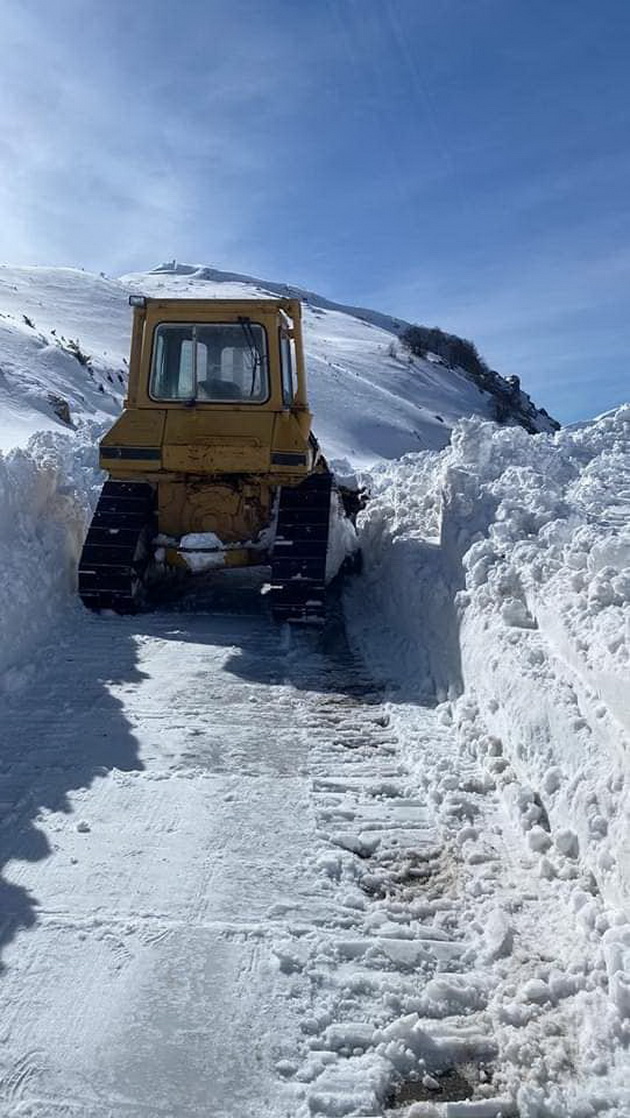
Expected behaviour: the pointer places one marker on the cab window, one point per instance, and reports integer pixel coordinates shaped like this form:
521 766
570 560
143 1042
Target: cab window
210 363
289 376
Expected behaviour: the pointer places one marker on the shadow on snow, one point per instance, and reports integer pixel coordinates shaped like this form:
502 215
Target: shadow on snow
67 729
58 736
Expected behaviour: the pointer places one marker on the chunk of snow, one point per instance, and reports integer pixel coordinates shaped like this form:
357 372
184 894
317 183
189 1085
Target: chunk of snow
201 541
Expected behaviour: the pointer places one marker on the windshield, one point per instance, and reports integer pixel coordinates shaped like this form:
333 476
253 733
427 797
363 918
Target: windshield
210 362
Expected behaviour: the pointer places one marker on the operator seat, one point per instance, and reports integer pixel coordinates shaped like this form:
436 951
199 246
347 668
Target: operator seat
216 389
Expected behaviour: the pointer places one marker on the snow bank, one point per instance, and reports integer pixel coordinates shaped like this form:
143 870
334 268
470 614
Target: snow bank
497 580
46 494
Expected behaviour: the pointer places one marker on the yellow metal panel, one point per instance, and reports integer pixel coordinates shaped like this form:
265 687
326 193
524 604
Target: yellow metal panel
222 458
126 449
137 428
235 442
204 425
288 434
236 513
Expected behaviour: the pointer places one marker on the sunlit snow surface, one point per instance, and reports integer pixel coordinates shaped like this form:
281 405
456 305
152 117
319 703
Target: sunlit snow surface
45 314
247 873
497 585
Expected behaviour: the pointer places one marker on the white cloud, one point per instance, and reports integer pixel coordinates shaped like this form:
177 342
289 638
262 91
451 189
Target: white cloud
111 160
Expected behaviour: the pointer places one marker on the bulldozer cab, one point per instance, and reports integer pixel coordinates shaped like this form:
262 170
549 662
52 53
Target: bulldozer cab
216 387
217 351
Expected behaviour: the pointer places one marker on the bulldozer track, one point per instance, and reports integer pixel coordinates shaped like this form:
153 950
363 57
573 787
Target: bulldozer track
115 552
298 560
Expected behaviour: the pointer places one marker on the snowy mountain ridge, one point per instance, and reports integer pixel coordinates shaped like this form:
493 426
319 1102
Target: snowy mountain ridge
511 403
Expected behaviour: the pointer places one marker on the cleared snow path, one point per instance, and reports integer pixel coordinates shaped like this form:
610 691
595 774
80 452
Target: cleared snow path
239 882
184 790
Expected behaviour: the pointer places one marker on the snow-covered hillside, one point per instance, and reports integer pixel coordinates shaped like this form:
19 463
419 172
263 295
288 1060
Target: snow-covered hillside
64 337
64 340
370 397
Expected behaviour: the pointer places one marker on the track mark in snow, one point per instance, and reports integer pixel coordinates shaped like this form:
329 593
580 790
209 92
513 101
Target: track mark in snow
15 1078
188 790
271 908
381 856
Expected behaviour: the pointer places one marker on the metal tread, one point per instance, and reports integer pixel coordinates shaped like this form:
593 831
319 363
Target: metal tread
113 561
298 560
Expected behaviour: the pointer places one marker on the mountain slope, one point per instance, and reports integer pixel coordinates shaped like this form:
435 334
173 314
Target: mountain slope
65 335
51 320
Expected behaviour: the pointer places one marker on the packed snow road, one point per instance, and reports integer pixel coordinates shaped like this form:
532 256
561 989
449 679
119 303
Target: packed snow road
173 859
241 880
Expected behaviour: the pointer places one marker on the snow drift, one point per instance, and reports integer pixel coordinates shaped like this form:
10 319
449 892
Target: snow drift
500 570
46 494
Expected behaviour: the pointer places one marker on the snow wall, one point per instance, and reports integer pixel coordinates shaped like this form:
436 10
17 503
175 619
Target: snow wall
497 583
47 491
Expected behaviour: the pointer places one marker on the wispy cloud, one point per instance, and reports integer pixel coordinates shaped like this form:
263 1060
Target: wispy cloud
112 157
462 165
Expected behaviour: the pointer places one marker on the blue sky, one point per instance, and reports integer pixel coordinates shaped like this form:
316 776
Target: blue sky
461 163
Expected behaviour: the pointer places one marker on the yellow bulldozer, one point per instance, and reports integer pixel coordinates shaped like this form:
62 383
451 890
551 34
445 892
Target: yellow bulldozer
213 462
